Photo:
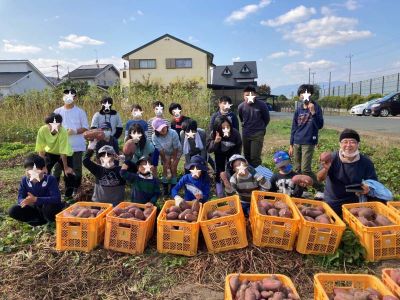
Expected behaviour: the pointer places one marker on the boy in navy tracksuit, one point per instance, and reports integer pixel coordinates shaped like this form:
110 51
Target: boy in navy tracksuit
307 121
224 104
196 184
39 198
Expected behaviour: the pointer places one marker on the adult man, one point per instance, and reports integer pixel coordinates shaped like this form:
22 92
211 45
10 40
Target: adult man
76 123
346 167
254 115
307 121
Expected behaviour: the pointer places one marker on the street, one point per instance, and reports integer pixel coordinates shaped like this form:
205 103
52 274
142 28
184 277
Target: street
389 126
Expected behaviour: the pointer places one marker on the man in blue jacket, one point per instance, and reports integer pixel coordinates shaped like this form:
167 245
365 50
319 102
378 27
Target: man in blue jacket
307 121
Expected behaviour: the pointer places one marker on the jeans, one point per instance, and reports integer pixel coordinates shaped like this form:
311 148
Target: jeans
245 207
35 215
77 167
302 156
252 148
51 160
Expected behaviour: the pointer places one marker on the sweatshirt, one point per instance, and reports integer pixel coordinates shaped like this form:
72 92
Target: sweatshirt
254 117
282 183
46 191
193 186
167 143
228 145
230 115
305 126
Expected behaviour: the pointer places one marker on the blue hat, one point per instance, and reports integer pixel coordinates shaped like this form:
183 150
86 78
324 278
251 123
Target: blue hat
198 162
281 159
105 125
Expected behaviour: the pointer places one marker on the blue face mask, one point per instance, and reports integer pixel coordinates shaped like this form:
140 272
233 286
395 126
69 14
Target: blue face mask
287 169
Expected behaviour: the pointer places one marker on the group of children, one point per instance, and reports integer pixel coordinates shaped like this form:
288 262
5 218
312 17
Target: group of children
148 144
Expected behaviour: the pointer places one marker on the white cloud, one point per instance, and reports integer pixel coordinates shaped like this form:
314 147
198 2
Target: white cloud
280 54
124 21
303 66
68 45
11 47
351 4
132 18
192 39
243 12
327 11
82 39
51 19
140 13
237 58
327 31
294 15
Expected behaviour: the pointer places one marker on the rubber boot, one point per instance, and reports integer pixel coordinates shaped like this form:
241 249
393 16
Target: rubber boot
219 190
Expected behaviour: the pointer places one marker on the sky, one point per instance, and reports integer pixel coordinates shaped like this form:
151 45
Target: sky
285 37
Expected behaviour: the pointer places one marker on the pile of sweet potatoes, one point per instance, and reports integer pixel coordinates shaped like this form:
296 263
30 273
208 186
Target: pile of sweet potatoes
134 212
368 217
358 294
268 288
277 208
84 212
314 213
184 212
395 275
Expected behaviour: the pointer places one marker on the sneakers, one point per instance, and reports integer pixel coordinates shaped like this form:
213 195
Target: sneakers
319 196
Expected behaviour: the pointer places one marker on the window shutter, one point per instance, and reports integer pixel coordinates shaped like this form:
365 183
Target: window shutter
170 63
134 64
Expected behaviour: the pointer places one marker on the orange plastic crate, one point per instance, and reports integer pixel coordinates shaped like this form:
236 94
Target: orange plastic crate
229 236
318 238
381 242
270 231
128 235
82 234
389 282
255 277
175 236
395 205
324 283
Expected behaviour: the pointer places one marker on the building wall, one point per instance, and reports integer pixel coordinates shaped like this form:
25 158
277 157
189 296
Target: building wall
31 82
108 78
169 48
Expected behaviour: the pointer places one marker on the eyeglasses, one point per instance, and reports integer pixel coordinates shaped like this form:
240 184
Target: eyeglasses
348 142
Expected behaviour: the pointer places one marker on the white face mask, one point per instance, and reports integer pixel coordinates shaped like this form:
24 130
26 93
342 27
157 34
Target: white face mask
107 134
158 110
137 113
68 99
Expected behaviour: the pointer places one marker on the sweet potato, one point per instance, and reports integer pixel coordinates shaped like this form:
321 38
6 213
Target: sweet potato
381 220
312 212
267 294
126 215
367 213
325 157
355 210
93 134
184 213
190 217
234 283
265 204
273 212
303 180
309 218
395 275
129 147
388 297
147 212
184 205
139 214
84 213
262 210
280 205
324 218
175 209
271 284
278 296
285 213
196 205
173 215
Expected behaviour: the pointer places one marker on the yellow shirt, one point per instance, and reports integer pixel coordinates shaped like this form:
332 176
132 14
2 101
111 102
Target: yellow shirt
55 144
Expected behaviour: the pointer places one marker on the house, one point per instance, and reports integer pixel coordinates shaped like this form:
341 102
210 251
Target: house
20 76
167 59
229 80
103 75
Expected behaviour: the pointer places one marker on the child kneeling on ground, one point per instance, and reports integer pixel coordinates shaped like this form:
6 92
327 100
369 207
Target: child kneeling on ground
39 198
243 182
196 184
145 186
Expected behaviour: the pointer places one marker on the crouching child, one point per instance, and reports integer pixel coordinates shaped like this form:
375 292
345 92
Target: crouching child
39 198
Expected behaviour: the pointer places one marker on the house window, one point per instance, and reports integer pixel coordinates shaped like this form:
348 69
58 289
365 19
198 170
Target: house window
124 74
183 63
147 64
245 69
227 72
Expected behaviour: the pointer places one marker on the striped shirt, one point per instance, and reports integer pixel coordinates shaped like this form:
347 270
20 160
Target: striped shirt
245 185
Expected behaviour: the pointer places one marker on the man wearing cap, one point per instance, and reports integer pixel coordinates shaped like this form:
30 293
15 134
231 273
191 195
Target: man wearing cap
345 167
109 186
76 122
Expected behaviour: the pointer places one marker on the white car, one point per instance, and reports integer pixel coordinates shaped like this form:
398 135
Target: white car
359 110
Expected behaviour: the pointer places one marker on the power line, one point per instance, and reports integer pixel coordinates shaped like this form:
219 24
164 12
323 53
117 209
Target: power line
349 57
58 73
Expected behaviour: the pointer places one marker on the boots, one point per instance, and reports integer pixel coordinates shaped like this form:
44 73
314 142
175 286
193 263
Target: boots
219 190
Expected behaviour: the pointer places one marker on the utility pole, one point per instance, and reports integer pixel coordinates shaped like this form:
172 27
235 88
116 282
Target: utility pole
309 70
58 73
313 73
349 57
97 58
329 84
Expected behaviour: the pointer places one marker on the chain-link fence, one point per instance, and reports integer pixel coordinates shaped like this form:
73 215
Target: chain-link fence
379 85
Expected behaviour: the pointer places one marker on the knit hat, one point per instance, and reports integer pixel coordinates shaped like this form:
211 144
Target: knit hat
158 124
281 159
349 134
107 149
236 157
198 162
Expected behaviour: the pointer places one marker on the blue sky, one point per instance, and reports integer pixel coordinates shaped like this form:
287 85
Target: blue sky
284 37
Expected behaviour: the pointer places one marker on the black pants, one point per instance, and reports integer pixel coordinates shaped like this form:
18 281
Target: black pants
35 215
69 180
220 163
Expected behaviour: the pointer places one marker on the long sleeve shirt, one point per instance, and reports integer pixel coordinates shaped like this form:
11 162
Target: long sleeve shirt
230 115
144 189
228 145
244 185
193 186
46 191
254 117
167 143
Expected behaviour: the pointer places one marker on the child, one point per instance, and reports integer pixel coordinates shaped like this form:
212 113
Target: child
197 184
137 145
224 141
52 143
108 138
281 182
175 109
166 141
307 121
109 187
137 113
39 198
243 182
145 186
106 114
224 104
193 140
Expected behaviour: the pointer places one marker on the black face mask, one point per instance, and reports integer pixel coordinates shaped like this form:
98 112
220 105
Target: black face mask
145 174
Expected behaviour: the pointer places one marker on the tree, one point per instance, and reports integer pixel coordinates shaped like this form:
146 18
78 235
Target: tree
81 87
264 89
282 98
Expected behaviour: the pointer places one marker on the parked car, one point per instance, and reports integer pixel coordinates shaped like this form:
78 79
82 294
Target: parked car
367 109
359 109
390 104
